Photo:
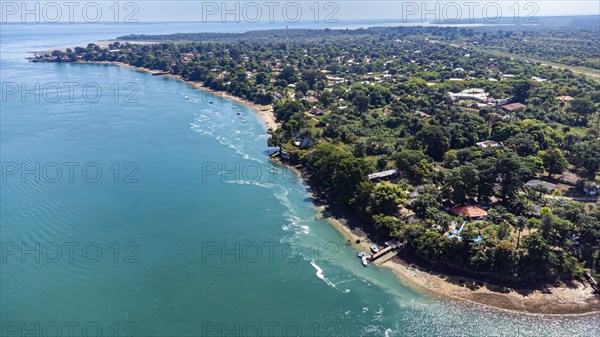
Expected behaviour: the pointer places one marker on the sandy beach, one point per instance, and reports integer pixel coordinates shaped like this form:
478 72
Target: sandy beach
559 300
577 299
265 112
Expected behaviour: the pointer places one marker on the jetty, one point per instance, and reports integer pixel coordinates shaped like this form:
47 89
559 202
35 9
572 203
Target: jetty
387 253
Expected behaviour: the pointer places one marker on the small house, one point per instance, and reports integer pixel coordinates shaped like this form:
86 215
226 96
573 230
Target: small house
472 93
541 185
569 178
383 175
564 98
513 106
304 141
315 111
311 99
422 115
472 212
488 143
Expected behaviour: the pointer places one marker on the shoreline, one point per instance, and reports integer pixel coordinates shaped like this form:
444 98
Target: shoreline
562 301
264 112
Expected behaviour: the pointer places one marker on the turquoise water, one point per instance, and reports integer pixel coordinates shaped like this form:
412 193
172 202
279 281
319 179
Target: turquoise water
199 233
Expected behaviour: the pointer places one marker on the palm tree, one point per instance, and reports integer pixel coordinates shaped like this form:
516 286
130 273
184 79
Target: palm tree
520 223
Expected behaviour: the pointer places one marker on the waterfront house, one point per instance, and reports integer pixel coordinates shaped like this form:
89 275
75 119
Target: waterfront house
304 141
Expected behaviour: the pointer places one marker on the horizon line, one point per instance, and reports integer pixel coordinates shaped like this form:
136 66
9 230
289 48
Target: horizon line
391 20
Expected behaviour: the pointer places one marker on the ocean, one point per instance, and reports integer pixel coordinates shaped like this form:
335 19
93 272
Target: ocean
136 205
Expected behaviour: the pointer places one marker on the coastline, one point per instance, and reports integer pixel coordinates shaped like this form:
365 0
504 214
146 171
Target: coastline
562 300
265 112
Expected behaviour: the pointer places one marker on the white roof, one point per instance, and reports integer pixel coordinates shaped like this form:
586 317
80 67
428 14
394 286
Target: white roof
382 174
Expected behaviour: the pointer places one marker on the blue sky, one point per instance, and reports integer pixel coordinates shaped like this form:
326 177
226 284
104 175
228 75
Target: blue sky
268 10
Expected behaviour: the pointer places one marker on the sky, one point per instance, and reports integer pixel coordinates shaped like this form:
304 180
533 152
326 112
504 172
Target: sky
290 11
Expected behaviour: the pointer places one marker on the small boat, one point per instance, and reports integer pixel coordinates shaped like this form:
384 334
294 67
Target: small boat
238 113
210 102
362 254
374 248
187 98
364 260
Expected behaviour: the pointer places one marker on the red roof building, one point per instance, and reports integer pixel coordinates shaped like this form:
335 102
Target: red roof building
470 211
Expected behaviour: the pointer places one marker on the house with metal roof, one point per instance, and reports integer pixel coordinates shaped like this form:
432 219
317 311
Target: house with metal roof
383 175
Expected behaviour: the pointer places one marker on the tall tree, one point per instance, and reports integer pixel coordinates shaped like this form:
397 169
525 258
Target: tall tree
554 161
435 140
586 157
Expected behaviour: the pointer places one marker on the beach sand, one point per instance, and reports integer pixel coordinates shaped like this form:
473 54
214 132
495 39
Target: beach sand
561 300
265 112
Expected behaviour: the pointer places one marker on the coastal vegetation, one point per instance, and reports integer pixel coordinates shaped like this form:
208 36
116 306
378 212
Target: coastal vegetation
572 47
516 141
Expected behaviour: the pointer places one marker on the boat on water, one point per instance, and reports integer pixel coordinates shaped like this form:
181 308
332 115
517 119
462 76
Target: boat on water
364 258
187 98
374 248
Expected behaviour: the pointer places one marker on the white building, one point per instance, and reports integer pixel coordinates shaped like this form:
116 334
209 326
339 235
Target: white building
471 93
